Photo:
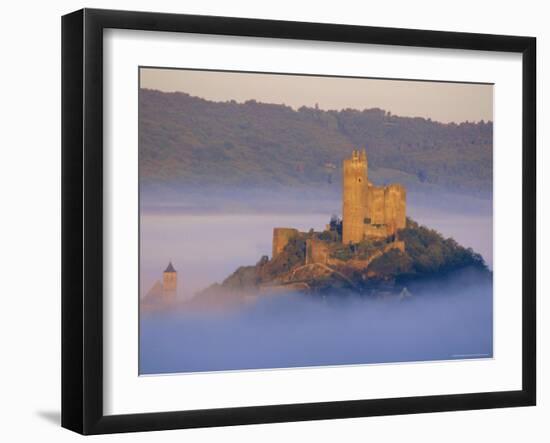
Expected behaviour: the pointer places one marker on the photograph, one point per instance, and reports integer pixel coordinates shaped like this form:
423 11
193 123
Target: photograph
291 220
270 222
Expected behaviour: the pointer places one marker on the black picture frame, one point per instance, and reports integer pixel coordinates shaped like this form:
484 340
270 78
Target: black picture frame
82 219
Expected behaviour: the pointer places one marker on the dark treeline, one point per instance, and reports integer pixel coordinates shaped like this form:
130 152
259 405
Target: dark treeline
427 254
188 140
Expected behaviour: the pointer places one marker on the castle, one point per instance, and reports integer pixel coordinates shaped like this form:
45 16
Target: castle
369 213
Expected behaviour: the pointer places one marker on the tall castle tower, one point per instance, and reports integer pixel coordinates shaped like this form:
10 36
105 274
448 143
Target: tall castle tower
354 197
370 212
169 282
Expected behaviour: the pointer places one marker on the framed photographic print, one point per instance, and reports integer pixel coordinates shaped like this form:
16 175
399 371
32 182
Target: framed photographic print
270 221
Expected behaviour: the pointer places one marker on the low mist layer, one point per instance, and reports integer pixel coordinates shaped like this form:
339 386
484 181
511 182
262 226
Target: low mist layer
440 321
206 246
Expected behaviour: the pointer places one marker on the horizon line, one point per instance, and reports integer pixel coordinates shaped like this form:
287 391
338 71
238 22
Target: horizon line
297 109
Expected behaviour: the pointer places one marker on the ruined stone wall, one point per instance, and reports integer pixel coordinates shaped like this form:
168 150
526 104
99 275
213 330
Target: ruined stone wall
354 197
363 263
400 244
281 237
317 251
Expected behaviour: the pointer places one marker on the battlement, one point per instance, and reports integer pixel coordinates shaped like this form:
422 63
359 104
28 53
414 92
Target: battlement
356 167
358 156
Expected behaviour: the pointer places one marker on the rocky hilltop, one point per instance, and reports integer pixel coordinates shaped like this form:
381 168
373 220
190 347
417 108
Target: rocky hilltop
371 267
374 248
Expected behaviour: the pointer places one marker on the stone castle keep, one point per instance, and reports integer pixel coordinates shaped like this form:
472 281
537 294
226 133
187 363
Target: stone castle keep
369 213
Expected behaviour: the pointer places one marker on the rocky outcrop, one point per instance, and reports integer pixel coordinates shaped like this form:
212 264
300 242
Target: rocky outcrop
307 263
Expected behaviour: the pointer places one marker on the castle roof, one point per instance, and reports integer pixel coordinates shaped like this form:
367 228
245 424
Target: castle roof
170 268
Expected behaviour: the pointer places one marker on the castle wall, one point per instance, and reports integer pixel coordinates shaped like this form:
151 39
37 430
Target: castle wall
394 207
281 237
376 232
386 207
317 251
375 205
401 212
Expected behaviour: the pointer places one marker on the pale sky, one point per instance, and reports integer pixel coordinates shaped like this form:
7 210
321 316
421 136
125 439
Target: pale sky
444 102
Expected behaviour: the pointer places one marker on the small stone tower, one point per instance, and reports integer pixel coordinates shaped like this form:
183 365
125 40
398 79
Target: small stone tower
281 237
169 283
355 197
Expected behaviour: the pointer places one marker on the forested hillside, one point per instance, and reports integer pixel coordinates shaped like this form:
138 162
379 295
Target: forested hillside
188 140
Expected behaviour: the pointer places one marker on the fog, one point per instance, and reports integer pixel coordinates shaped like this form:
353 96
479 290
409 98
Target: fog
438 322
208 239
206 242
